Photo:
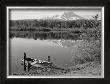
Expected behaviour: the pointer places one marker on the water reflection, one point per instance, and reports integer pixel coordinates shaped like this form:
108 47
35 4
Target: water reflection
62 52
38 49
45 35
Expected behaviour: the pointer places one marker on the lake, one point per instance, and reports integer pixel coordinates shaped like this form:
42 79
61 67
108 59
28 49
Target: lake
61 51
39 49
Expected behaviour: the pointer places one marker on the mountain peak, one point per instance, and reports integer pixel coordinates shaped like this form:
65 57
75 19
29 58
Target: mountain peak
69 15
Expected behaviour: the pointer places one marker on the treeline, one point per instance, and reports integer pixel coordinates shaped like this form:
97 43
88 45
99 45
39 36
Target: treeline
56 29
53 24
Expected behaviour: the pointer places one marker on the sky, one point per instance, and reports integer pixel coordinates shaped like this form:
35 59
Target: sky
21 14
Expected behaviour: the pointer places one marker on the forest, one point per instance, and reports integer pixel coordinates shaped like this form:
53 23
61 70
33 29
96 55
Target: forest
56 29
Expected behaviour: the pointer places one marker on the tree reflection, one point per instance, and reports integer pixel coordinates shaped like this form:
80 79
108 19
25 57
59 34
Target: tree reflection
44 35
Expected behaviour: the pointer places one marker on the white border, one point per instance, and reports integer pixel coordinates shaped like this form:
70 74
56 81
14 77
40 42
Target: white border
102 61
7 51
54 7
61 7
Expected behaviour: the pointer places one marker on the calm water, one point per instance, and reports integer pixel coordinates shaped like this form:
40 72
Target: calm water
59 50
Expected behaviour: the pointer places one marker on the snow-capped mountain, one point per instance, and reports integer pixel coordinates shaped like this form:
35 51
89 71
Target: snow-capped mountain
70 16
65 16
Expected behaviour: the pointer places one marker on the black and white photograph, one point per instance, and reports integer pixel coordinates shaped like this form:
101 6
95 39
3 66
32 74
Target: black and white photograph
55 42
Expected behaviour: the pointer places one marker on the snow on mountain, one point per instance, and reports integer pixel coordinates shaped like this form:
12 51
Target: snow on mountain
70 16
65 16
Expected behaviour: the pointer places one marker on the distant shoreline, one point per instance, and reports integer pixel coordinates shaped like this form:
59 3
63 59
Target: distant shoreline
55 29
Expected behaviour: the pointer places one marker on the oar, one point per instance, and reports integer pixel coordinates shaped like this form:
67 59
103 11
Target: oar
24 61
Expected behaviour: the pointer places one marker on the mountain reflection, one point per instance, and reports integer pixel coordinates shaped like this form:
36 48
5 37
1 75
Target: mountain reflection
66 43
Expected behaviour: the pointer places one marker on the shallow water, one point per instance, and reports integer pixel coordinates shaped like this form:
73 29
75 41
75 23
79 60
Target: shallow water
62 52
59 50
